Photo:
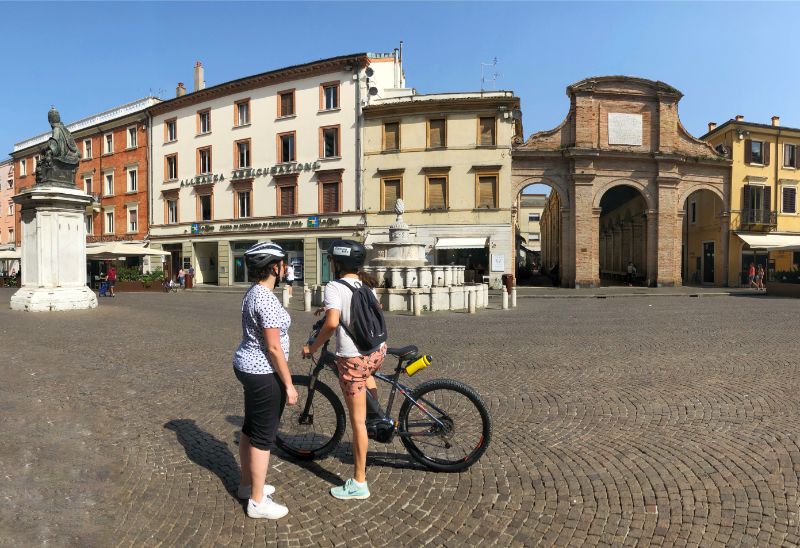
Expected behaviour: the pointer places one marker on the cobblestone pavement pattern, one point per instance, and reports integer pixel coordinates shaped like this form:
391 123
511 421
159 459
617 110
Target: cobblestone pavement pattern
669 421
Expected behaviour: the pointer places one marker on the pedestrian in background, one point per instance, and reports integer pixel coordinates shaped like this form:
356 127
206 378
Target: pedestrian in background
751 276
760 278
111 276
289 277
182 277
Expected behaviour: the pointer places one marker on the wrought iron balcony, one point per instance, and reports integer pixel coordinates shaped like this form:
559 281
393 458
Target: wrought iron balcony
763 218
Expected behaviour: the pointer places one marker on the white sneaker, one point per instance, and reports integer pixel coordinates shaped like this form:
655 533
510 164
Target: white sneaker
268 509
244 491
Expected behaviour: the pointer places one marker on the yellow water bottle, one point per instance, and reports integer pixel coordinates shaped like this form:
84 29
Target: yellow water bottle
420 363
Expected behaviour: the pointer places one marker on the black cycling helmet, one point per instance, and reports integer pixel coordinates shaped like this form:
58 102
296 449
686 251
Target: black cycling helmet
351 255
262 255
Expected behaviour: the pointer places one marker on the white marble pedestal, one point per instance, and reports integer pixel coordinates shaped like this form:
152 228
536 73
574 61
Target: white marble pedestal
53 250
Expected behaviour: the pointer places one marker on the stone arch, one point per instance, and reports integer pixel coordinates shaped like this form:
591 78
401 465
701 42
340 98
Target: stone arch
557 185
644 190
690 189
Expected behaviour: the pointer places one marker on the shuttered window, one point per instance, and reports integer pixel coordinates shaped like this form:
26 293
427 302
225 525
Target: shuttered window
437 192
287 193
487 195
391 136
391 192
789 155
789 199
756 152
487 127
287 103
436 133
330 197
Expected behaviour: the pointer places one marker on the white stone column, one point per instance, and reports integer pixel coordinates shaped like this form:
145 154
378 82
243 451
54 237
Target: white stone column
425 276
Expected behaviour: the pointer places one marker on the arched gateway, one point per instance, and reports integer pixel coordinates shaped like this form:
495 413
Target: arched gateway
620 131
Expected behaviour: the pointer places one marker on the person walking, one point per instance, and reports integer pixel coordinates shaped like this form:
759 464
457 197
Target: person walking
751 275
182 277
630 274
260 364
355 366
111 276
289 277
760 278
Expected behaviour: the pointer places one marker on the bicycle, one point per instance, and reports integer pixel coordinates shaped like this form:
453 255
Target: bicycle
313 427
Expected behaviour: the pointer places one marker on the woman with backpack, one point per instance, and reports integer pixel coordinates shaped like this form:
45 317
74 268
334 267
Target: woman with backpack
353 313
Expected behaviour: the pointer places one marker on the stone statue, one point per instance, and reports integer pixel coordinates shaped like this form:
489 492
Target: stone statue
399 206
60 157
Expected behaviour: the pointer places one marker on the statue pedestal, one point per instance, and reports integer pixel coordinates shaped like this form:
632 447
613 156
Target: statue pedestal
53 250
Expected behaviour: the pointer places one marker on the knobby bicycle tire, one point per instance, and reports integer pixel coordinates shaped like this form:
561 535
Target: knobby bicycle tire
304 441
421 451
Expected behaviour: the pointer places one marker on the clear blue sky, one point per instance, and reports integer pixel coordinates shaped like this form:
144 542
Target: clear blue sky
727 58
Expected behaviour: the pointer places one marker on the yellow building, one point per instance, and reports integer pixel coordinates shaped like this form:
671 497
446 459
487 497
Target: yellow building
448 157
529 231
764 219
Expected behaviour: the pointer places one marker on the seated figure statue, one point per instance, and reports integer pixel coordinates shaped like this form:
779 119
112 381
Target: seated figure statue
60 157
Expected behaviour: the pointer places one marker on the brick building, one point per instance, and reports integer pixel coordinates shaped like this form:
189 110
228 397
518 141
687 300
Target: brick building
622 168
113 169
7 207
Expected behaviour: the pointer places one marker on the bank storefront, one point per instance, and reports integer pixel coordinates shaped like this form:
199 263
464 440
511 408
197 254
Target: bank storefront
216 249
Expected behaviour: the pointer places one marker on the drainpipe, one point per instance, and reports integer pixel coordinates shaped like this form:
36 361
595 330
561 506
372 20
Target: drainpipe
149 160
358 138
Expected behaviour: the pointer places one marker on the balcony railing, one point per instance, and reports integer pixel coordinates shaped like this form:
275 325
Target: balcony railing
759 217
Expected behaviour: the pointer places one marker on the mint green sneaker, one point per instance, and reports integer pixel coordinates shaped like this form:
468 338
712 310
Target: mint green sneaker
351 491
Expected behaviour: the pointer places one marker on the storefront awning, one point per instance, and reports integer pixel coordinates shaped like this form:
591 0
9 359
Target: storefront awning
771 242
461 243
10 254
116 249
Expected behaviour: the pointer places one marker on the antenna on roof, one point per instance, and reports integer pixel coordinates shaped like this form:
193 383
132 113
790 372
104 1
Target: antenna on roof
493 75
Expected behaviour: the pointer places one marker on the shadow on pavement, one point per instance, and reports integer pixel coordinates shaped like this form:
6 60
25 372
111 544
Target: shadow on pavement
207 451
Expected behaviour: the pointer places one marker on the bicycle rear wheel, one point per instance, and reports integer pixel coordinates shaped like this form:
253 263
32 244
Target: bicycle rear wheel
315 425
449 427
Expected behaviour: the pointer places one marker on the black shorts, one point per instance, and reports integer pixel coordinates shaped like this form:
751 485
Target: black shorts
264 399
112 283
289 282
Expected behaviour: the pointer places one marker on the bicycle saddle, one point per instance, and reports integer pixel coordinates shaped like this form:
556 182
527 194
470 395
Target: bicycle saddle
404 351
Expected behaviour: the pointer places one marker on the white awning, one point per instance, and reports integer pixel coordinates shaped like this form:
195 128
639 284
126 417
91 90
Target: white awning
117 249
461 243
773 242
10 254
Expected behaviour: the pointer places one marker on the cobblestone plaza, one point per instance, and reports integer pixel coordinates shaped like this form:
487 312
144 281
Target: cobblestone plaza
620 421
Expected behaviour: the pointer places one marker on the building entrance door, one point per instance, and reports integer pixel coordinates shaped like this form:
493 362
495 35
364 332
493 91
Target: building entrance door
708 262
239 268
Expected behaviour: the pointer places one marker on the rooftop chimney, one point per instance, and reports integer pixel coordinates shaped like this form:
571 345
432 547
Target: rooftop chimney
712 126
199 82
180 91
740 118
776 120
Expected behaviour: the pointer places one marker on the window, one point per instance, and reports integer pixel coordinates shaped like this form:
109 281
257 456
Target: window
172 211
132 183
132 141
487 191
171 167
204 121
10 234
757 205
10 184
436 195
330 142
133 219
330 197
391 192
486 131
171 130
436 133
204 160
23 168
87 149
89 224
205 207
789 155
756 152
286 103
391 136
286 147
534 217
11 207
287 193
242 154
243 112
330 96
109 189
108 139
693 212
789 199
109 228
35 162
87 185
244 204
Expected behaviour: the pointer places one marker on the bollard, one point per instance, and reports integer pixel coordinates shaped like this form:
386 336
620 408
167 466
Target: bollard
473 294
505 300
417 304
514 298
285 296
306 298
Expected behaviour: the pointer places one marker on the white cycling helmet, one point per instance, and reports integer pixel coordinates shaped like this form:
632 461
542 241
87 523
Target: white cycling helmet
262 255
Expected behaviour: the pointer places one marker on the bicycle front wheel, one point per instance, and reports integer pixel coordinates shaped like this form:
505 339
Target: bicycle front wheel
315 425
448 428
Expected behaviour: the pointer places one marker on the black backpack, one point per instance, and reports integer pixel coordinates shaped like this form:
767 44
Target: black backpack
367 325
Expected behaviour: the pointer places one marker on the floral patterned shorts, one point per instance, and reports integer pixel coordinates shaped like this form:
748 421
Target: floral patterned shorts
354 372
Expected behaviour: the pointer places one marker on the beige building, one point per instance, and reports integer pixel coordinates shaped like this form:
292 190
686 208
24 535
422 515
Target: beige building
272 156
448 157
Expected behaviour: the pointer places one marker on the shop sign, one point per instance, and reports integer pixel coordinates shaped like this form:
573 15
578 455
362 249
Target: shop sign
252 173
315 222
261 226
197 228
